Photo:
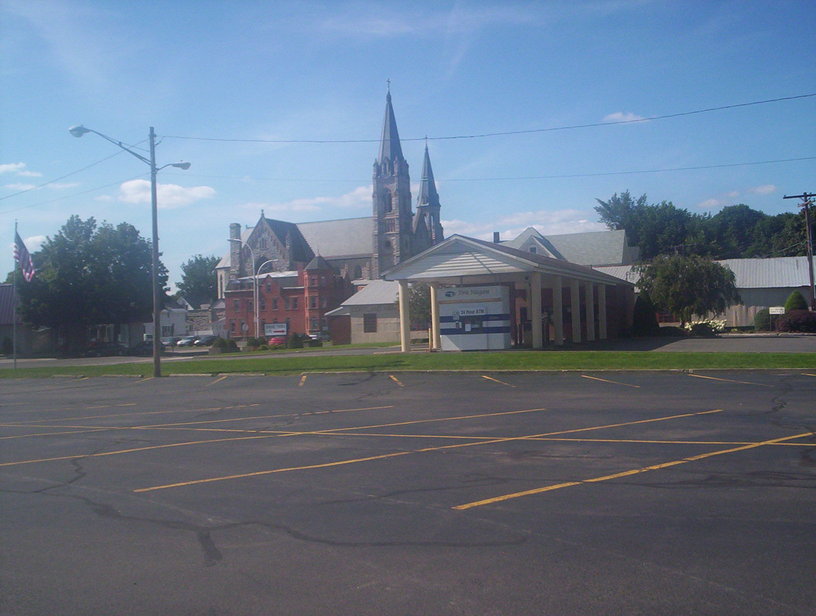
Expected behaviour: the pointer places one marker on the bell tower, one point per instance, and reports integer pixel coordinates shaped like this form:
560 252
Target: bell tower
392 235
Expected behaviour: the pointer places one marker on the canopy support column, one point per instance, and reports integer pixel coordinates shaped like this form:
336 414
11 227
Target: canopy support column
575 309
436 339
558 310
589 300
602 334
405 324
535 309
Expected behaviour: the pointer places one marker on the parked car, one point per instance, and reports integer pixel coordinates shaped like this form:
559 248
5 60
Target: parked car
105 349
277 341
205 340
144 348
170 340
187 341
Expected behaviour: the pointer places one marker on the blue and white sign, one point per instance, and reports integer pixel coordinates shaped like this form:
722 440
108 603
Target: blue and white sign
474 318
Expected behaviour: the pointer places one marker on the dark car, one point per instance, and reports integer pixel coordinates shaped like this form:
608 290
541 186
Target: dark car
187 341
144 348
105 349
205 340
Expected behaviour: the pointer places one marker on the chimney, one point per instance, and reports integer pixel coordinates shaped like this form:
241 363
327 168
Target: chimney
497 237
235 250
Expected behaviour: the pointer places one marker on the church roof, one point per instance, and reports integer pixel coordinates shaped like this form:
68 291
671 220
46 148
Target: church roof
332 239
289 234
390 147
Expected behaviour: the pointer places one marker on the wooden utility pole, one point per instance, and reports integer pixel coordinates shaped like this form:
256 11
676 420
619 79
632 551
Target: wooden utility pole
806 203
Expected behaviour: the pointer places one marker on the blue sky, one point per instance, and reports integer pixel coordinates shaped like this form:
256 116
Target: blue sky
300 71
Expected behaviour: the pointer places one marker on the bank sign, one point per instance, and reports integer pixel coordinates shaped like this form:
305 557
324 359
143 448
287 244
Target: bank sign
471 294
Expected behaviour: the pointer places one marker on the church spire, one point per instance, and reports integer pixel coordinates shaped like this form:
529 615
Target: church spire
390 147
427 186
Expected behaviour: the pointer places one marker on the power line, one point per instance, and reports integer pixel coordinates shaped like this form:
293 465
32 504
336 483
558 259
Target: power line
509 132
62 177
84 192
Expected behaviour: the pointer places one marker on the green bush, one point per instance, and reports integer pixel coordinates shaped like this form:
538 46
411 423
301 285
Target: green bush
703 330
220 345
644 318
762 320
795 301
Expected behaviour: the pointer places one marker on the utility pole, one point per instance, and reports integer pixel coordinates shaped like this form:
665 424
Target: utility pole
806 203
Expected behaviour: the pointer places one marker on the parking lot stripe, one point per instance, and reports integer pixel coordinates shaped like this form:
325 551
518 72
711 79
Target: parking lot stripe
490 378
635 471
218 380
415 451
302 380
396 380
204 410
715 378
595 378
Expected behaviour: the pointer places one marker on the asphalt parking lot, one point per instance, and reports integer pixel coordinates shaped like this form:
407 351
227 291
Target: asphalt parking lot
410 493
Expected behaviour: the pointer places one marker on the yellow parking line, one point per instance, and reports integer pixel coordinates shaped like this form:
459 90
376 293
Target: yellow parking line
595 378
396 380
218 380
714 378
806 374
402 453
635 471
204 410
302 380
490 378
145 379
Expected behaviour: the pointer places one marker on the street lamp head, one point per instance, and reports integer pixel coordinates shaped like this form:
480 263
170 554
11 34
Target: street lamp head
184 166
78 131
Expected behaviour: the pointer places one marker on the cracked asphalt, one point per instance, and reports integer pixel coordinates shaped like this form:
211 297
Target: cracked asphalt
412 493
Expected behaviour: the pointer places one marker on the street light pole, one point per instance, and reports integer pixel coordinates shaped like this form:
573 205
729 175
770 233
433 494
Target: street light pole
805 205
78 131
258 298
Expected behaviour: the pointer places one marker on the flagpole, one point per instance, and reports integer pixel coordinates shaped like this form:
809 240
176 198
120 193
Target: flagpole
14 308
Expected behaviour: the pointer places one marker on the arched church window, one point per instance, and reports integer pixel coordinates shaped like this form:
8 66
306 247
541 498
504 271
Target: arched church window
358 272
387 201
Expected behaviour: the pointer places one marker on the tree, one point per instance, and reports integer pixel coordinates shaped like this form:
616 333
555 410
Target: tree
198 280
688 286
87 275
419 305
620 211
795 301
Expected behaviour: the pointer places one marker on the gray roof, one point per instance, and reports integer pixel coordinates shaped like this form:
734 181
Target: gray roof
776 273
333 239
376 292
595 247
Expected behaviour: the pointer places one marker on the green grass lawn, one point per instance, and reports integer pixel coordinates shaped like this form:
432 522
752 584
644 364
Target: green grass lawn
392 362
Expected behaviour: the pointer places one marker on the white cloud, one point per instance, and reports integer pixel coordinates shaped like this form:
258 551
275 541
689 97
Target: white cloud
168 195
733 194
18 186
360 197
62 185
764 189
35 242
547 222
710 204
18 169
623 116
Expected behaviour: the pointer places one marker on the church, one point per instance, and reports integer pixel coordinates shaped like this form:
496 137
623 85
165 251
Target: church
288 275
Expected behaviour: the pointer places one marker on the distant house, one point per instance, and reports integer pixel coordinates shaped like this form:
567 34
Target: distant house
370 315
761 283
589 248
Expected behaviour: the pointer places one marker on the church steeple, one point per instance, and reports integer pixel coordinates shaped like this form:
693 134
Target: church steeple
392 234
390 148
427 225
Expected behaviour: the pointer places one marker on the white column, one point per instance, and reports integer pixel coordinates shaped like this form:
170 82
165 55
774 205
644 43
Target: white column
535 309
590 311
436 339
558 312
405 323
602 335
575 308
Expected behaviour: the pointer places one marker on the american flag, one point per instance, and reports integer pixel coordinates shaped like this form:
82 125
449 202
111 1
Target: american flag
22 257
